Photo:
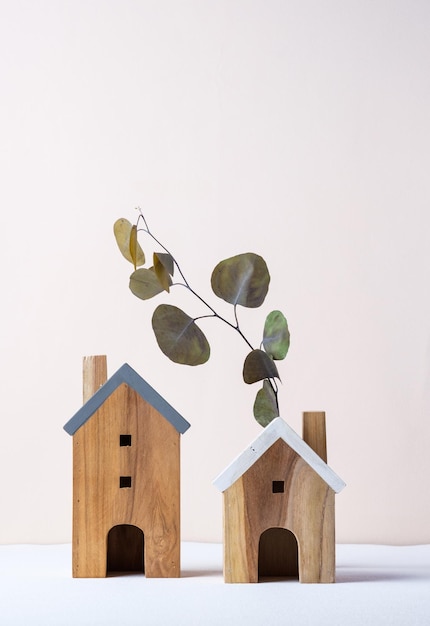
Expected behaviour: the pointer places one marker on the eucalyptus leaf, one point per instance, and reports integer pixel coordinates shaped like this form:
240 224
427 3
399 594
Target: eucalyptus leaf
166 260
122 230
276 339
242 279
258 366
265 405
144 283
163 266
133 245
179 337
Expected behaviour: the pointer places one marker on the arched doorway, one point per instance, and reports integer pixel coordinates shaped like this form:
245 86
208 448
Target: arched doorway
125 545
278 554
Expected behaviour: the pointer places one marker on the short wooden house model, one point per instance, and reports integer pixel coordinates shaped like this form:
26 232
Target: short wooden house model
278 496
126 476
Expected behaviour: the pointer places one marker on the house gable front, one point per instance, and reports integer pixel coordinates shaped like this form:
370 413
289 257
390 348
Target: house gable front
133 484
279 491
279 482
126 473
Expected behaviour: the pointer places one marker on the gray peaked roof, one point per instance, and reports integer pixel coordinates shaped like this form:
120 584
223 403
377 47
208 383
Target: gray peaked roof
126 374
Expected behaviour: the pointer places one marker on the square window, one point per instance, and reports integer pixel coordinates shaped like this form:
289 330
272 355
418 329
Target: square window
125 440
124 482
278 486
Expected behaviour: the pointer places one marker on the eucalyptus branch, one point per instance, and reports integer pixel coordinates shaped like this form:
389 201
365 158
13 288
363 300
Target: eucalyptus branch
188 286
239 280
236 328
154 238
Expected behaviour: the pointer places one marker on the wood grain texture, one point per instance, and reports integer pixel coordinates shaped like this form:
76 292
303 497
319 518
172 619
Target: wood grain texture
306 508
152 502
314 432
94 375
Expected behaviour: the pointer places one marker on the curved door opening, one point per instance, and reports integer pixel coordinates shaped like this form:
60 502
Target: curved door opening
278 554
125 547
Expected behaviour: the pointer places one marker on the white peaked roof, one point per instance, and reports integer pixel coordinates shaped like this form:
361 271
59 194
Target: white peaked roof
277 429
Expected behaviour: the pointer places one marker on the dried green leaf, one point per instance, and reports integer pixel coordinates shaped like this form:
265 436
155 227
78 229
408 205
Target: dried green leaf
164 266
258 366
145 284
276 339
242 279
265 405
122 230
179 337
133 245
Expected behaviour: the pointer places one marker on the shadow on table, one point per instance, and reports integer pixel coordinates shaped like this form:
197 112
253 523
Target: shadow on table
346 575
200 573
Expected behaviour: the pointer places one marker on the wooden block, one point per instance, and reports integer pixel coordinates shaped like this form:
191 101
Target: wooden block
126 476
314 432
306 508
94 375
279 506
150 502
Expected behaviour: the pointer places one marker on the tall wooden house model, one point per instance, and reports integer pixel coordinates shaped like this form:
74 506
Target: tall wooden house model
279 506
126 476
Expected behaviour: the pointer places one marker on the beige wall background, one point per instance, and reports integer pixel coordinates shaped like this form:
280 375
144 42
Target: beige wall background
297 129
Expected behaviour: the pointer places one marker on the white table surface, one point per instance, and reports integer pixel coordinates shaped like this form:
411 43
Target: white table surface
381 585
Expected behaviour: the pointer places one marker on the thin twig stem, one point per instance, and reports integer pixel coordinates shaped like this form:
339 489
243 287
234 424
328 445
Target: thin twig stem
186 284
213 313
